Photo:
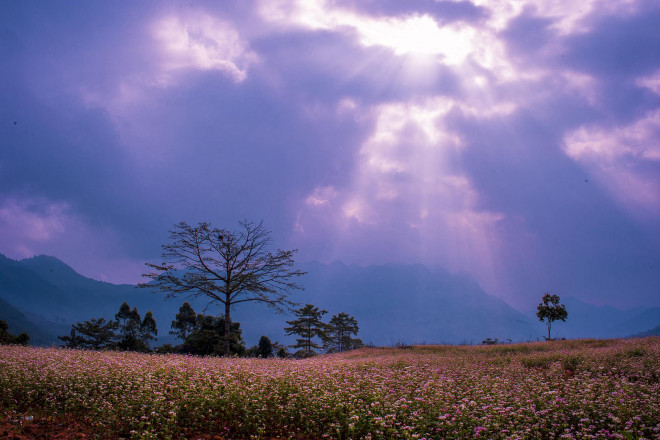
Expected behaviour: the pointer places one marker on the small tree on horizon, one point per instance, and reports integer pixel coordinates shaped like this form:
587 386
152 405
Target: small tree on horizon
550 310
308 326
227 267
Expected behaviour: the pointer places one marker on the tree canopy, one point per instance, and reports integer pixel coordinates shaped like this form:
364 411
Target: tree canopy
8 338
127 332
339 334
226 267
208 337
550 310
184 322
96 334
308 326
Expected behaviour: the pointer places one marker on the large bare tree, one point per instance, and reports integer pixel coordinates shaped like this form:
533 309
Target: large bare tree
227 267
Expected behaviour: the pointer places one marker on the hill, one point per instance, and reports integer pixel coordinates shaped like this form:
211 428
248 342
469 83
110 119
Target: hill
655 331
591 321
410 304
19 323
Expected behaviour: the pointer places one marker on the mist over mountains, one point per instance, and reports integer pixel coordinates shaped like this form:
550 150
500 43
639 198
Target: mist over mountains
409 304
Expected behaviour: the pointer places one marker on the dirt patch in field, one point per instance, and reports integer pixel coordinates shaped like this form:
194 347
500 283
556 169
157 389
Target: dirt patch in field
32 427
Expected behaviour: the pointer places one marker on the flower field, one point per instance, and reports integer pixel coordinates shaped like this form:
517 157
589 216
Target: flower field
551 390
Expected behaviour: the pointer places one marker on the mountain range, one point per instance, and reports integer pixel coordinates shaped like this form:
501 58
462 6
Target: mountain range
408 304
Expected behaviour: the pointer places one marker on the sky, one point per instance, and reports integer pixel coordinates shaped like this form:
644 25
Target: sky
513 141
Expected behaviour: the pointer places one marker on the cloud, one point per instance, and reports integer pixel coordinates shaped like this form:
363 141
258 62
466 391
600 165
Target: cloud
625 159
201 41
410 192
513 140
443 11
620 42
418 34
31 227
651 82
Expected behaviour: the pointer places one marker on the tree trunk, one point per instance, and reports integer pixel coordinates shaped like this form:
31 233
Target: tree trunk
549 325
227 338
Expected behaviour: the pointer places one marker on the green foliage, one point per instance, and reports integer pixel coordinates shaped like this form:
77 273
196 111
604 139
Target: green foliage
541 361
490 341
148 330
127 332
123 316
184 322
281 351
339 334
165 349
550 310
135 333
265 347
571 362
8 338
308 326
209 335
97 334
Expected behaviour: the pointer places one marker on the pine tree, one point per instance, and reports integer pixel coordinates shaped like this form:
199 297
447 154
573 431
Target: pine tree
185 322
339 333
265 347
97 334
308 326
124 315
130 324
133 325
148 330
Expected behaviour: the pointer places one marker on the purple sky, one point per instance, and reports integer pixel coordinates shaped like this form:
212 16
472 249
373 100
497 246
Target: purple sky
515 141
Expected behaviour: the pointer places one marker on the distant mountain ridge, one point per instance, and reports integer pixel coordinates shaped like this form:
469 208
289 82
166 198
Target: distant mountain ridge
392 303
590 321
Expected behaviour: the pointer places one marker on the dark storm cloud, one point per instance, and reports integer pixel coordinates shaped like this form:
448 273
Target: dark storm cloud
223 155
526 34
618 47
579 238
231 167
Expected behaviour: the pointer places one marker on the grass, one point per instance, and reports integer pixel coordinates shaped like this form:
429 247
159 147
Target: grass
547 390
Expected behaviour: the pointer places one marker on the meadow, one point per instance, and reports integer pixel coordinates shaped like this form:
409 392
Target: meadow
578 389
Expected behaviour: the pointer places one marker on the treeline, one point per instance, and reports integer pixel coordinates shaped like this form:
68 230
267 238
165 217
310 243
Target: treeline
204 335
7 338
127 332
335 336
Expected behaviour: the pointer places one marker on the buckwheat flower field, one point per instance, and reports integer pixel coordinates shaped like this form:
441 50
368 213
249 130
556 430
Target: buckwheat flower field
552 390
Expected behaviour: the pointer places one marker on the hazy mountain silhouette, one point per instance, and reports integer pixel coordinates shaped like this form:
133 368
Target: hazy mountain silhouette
392 303
52 296
590 321
655 331
19 323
